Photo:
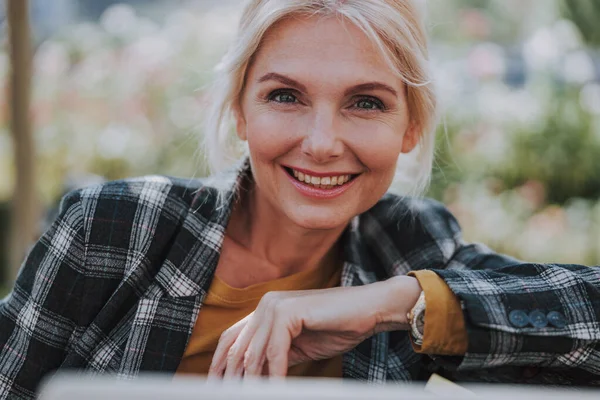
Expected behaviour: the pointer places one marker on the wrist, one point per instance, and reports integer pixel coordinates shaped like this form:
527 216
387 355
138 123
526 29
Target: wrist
399 296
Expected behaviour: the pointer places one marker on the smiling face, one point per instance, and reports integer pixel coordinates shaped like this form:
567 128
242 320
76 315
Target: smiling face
321 105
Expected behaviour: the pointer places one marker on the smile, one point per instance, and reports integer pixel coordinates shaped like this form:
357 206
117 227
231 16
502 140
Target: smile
324 182
322 186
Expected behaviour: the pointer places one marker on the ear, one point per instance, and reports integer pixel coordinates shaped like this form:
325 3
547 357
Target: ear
240 122
411 137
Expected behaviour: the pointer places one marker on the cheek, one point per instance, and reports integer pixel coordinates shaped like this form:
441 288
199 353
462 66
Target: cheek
271 135
378 145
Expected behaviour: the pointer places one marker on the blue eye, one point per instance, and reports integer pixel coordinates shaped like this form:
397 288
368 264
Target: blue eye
369 104
282 97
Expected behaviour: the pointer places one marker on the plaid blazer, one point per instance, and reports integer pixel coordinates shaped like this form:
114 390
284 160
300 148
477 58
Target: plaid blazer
116 283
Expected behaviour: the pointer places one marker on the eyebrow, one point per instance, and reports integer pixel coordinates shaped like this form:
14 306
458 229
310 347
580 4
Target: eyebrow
365 87
368 86
273 76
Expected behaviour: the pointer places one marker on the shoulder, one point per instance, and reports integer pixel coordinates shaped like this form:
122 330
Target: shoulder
139 214
150 190
171 196
137 221
415 214
413 233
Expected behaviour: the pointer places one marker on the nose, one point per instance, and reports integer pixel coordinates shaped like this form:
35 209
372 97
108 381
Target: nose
322 141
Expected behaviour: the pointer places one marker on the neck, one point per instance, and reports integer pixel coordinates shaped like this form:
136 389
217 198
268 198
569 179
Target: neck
269 234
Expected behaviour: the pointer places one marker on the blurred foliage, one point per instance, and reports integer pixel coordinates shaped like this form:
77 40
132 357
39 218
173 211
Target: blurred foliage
119 98
460 22
585 14
519 142
563 154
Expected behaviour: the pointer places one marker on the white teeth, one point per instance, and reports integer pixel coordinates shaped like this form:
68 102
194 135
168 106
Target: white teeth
326 182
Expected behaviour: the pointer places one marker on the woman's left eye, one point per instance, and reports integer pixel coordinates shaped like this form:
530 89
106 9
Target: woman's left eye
369 104
280 96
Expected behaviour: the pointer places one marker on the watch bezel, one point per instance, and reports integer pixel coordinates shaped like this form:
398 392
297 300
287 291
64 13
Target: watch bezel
416 319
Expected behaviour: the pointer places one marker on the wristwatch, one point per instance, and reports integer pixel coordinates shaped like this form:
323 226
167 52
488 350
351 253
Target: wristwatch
416 318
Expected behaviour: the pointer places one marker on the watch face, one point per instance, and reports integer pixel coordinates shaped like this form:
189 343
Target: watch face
420 321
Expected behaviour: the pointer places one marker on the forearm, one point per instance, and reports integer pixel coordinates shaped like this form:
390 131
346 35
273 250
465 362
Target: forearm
547 312
398 296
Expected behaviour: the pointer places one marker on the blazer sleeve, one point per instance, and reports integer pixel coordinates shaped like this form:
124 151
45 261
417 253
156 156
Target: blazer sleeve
524 314
39 316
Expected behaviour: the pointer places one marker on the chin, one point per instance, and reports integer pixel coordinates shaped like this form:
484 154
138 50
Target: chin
319 218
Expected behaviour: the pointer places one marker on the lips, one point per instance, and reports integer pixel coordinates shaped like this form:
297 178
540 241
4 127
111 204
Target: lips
320 182
323 186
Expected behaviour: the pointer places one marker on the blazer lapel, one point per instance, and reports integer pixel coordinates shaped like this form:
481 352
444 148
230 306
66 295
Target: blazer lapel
159 332
166 314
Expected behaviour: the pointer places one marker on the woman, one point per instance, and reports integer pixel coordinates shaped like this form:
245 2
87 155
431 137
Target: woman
300 264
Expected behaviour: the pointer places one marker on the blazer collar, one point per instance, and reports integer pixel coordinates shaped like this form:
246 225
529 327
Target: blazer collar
190 265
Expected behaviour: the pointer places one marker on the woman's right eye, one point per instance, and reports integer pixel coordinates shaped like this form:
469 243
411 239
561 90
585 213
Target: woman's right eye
282 97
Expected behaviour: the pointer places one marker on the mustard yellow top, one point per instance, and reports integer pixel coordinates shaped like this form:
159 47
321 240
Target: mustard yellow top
444 331
225 305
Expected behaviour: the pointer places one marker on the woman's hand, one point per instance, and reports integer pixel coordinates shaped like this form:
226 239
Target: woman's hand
288 328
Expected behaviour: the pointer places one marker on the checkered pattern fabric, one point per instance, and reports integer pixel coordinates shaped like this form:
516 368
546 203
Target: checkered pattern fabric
116 283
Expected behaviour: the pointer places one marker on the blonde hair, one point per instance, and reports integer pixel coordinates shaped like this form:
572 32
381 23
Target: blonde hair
394 27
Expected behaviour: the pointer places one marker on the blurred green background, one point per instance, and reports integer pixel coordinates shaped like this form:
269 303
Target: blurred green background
118 92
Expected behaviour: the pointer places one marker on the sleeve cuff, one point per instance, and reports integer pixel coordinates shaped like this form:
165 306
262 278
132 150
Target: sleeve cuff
444 332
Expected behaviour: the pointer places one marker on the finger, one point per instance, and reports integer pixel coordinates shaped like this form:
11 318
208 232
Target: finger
255 356
285 329
237 351
235 356
227 339
277 350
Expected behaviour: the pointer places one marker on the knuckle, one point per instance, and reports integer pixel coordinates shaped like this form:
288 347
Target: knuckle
249 358
232 353
226 335
270 298
252 362
273 352
281 304
282 307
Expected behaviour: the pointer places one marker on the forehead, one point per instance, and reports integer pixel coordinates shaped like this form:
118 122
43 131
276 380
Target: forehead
321 44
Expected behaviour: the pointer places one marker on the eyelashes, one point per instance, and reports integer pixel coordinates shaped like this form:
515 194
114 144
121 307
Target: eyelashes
282 96
287 97
370 103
